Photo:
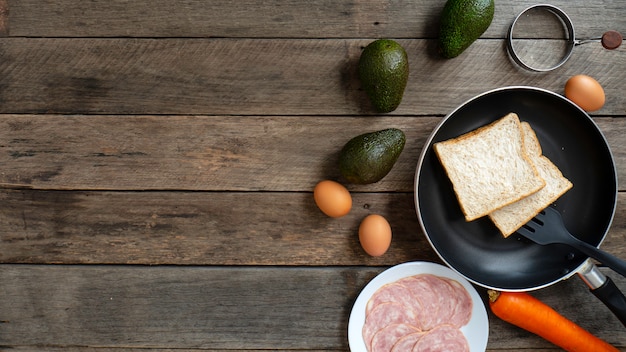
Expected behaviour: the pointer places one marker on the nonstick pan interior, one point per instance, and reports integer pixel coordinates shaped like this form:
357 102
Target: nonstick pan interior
476 249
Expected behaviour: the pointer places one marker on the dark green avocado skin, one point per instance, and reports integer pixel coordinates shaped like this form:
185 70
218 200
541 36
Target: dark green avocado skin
462 22
369 157
384 72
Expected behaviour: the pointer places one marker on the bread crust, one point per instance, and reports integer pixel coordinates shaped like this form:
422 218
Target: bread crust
464 173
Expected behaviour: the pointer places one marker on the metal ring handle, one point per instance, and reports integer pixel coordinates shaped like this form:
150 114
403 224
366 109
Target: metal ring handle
567 22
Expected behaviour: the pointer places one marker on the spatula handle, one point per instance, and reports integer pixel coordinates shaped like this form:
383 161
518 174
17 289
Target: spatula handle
618 265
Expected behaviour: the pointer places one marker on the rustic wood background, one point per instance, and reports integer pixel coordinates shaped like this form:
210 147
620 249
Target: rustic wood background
158 157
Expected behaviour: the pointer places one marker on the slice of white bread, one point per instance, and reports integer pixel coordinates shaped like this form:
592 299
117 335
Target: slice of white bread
511 217
488 167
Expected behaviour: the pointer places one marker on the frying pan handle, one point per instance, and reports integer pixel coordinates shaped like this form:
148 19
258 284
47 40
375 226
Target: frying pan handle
613 298
605 289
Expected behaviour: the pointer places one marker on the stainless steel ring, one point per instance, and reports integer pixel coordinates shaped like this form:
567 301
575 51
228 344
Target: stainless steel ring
567 23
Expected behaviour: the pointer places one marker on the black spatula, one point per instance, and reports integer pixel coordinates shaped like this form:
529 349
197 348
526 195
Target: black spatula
548 227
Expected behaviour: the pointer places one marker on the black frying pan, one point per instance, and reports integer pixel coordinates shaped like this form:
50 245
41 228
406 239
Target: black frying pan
476 249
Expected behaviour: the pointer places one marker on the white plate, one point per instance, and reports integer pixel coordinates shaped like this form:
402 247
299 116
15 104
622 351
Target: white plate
476 331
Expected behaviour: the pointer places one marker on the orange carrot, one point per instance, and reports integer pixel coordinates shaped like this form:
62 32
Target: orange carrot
527 312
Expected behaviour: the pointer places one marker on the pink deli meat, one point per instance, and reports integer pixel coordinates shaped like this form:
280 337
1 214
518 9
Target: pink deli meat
394 292
383 315
423 311
388 336
446 338
406 343
421 290
464 305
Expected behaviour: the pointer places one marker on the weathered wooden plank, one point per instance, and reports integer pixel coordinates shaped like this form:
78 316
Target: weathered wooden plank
262 76
197 152
143 349
198 228
215 153
4 18
249 228
115 349
224 308
276 18
149 349
176 307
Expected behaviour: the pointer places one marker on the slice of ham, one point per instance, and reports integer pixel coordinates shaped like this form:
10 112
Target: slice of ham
447 298
422 290
394 292
464 305
383 315
387 337
406 343
443 338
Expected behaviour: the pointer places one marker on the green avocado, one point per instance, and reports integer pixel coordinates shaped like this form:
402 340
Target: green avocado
369 157
462 22
384 72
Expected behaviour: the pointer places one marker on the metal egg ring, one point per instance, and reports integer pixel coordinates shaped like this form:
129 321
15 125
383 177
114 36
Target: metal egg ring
571 41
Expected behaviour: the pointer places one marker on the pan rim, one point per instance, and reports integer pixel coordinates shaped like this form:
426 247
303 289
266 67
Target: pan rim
428 144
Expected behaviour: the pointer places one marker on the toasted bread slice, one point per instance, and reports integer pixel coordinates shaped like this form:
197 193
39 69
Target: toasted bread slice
488 167
511 217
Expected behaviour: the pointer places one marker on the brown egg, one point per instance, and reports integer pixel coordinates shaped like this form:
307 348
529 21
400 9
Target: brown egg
375 235
585 92
332 198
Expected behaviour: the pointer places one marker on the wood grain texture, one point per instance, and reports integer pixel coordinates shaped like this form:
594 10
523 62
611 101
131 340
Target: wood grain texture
157 160
276 18
4 18
198 228
225 308
263 76
153 349
225 153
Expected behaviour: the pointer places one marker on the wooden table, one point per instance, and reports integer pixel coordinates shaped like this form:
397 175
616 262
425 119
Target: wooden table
158 160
